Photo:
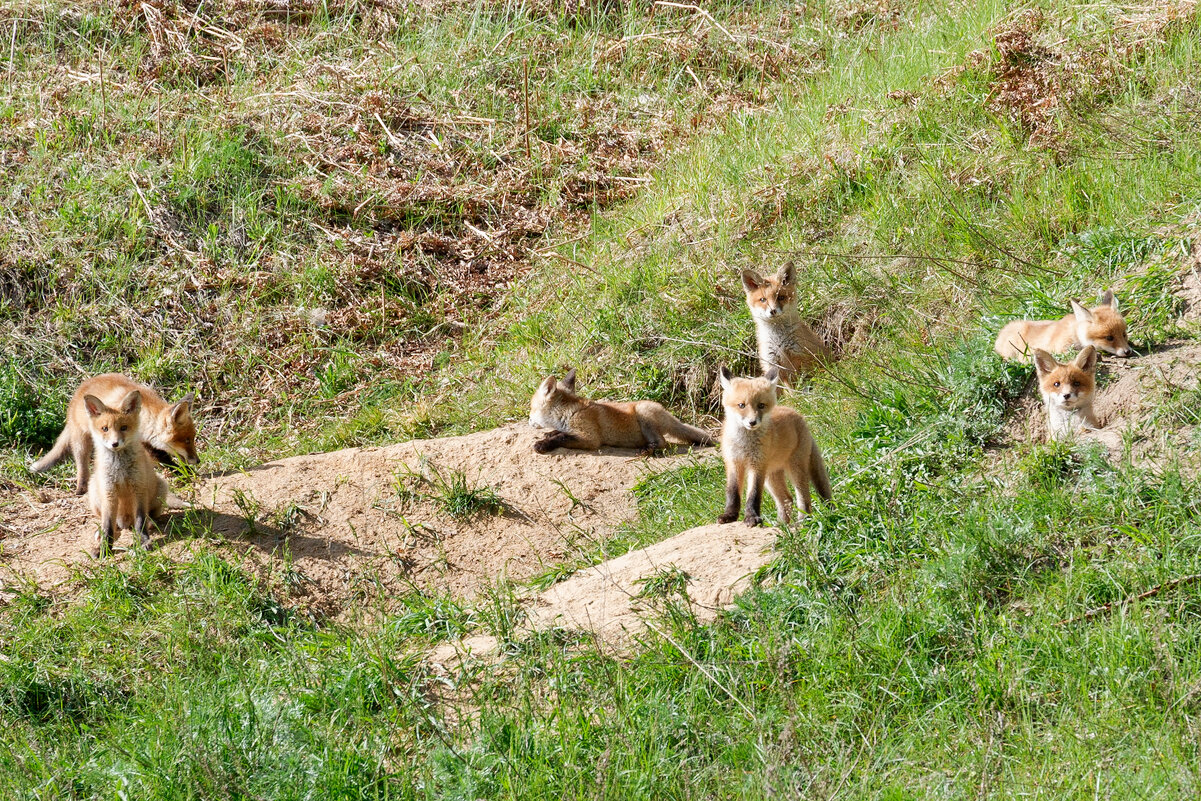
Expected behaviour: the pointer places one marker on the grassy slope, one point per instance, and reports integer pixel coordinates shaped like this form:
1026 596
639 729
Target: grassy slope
293 214
906 644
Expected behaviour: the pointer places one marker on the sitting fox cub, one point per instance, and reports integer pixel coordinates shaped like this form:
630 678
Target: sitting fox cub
762 443
786 342
166 427
124 490
1103 327
1068 390
587 425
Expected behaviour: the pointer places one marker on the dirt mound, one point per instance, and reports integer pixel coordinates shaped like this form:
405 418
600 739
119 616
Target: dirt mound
712 565
1131 391
450 514
709 566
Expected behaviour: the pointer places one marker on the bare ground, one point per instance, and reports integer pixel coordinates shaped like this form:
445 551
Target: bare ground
611 600
330 529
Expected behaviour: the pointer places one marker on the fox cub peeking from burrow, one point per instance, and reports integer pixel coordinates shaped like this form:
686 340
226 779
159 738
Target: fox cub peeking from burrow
168 428
786 342
587 425
1068 391
763 443
1102 326
123 491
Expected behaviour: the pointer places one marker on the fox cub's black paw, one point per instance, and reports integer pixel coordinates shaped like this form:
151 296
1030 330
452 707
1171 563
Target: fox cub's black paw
752 520
545 445
727 517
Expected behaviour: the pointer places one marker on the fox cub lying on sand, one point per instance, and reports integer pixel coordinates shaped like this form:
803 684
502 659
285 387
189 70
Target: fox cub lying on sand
587 425
166 427
1103 327
761 443
1068 391
124 490
786 342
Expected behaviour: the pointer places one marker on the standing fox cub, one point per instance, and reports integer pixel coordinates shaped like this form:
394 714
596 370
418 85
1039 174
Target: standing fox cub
1068 391
786 342
587 425
166 427
1103 327
124 489
762 443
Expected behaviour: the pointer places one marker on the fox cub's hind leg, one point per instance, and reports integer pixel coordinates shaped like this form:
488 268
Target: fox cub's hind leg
654 439
801 475
81 449
778 488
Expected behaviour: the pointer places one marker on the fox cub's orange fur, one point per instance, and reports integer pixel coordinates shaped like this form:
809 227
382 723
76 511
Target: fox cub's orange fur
786 342
166 427
587 425
762 443
124 490
1103 327
1068 391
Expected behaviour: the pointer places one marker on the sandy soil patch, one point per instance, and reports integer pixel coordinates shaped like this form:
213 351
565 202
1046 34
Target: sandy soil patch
612 599
331 528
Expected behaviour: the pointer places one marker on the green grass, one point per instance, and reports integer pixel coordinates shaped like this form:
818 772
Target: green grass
448 489
927 635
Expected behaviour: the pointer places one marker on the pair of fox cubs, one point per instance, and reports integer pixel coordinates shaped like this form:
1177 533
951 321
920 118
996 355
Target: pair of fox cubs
763 444
122 423
1068 388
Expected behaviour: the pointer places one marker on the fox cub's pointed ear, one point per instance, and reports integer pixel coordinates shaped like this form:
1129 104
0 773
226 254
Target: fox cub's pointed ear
773 376
183 409
787 273
751 280
1043 361
548 384
724 376
132 402
569 380
94 405
1109 299
1086 359
1083 315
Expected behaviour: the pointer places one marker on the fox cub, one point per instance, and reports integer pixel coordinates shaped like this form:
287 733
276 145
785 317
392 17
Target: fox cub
1103 327
762 443
123 490
1068 391
587 425
166 427
786 342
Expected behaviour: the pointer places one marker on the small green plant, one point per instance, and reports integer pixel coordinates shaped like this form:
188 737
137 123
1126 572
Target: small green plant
338 374
449 490
437 617
1049 465
553 575
1181 407
25 418
458 498
250 509
664 583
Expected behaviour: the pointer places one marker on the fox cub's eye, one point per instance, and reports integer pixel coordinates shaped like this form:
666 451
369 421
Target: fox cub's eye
1056 383
104 428
762 405
124 428
1075 383
1109 339
742 406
